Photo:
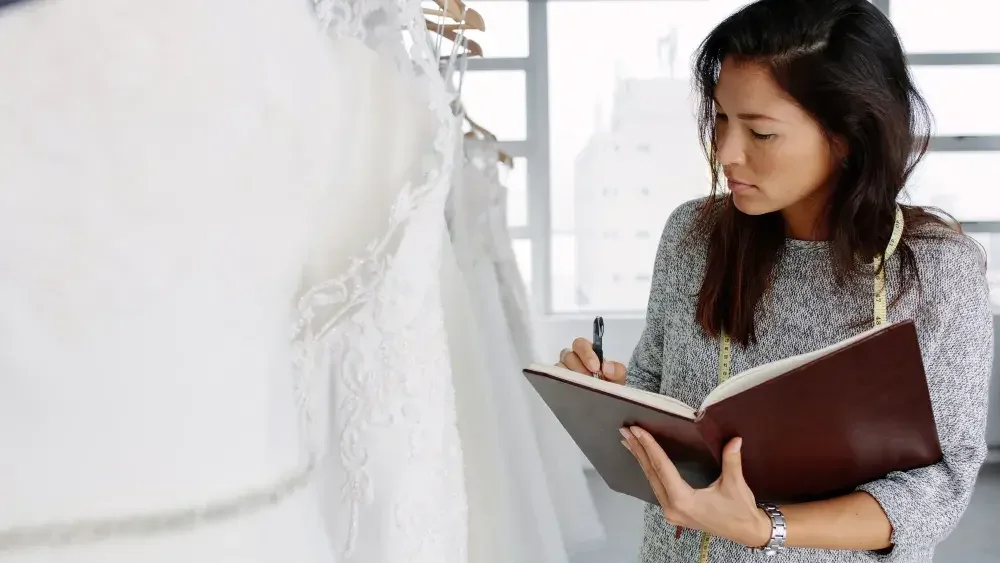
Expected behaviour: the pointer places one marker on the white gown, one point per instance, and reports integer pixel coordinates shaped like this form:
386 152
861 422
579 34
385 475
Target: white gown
164 172
173 204
513 485
393 482
567 484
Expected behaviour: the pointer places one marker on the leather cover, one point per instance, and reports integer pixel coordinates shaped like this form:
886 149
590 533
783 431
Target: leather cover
815 432
593 419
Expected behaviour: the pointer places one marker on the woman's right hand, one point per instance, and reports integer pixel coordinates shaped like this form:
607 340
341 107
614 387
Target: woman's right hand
581 358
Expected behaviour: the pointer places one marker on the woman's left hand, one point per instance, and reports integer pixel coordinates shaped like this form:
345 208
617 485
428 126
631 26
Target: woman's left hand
725 509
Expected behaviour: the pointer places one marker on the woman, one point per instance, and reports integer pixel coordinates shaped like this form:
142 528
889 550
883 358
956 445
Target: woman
810 115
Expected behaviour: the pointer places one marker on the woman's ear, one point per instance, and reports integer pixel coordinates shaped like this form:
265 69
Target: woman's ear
839 150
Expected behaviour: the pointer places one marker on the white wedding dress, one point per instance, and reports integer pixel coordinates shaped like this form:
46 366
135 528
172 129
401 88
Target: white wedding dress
523 504
393 482
164 173
173 206
567 484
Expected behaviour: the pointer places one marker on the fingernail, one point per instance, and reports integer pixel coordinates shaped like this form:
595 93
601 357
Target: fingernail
594 366
739 444
624 443
609 369
625 433
637 432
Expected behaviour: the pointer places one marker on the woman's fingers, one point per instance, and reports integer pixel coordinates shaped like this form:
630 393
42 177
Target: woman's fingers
581 358
614 372
635 447
657 459
584 350
572 362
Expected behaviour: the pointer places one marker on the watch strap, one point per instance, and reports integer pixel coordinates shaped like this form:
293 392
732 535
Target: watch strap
779 530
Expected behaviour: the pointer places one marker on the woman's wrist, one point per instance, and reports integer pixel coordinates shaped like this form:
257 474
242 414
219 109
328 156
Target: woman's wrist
758 533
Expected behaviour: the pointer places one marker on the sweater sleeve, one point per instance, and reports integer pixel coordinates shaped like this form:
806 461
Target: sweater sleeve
645 369
924 505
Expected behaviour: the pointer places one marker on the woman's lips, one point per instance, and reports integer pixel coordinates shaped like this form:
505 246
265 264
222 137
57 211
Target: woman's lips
737 187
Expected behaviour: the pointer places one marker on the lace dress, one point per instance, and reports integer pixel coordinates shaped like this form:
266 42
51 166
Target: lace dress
394 486
165 173
173 184
567 484
513 511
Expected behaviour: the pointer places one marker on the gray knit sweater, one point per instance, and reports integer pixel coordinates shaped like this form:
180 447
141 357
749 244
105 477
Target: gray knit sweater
807 310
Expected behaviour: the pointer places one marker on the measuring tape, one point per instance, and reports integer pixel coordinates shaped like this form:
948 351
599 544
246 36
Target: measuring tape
881 308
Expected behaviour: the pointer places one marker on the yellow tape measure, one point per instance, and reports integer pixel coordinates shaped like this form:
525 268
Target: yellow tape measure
881 313
880 298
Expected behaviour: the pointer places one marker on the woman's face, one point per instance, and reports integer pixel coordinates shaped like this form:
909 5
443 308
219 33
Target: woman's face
774 155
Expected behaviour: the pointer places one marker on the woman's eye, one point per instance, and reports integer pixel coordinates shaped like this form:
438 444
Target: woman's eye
761 136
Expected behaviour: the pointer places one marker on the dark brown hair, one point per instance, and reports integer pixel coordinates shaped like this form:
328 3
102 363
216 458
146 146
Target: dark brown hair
842 62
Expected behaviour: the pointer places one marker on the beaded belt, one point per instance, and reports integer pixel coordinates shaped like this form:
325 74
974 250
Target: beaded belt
59 534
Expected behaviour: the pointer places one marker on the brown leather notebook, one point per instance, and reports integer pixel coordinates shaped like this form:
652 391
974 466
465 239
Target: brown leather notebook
814 426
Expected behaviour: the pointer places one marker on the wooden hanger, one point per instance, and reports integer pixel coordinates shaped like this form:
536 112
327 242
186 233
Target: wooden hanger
450 32
474 20
479 128
456 27
459 12
478 133
505 159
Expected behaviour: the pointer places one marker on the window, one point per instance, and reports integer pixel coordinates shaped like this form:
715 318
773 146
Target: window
495 99
565 292
506 32
929 26
961 183
954 93
611 105
943 44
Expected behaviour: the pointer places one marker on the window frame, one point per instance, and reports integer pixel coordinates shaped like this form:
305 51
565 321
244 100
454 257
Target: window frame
956 143
534 147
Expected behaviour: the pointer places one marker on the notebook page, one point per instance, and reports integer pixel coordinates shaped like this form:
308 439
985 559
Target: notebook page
766 372
652 400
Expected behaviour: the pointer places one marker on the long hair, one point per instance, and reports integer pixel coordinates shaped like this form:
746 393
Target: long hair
842 62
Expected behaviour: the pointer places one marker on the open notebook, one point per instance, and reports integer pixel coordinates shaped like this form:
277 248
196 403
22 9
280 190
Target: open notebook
813 425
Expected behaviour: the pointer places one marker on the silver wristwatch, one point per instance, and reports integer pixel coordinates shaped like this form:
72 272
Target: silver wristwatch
779 532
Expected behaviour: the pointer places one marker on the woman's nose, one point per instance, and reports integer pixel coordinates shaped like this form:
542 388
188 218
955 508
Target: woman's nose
730 149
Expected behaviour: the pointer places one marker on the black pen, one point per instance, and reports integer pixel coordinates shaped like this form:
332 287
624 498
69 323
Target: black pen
598 343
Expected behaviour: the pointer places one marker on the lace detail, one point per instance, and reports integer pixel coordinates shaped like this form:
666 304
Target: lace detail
379 328
483 155
318 311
